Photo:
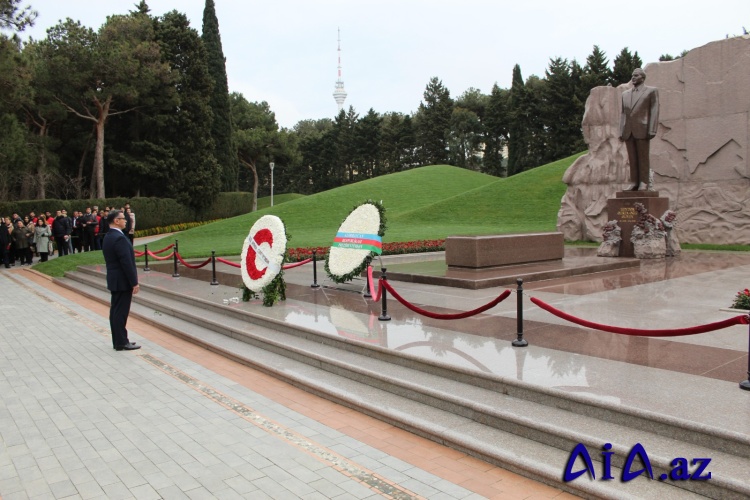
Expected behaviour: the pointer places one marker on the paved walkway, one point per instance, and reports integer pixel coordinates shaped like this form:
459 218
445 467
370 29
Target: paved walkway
80 420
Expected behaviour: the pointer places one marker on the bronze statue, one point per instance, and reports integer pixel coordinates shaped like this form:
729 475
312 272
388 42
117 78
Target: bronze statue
638 123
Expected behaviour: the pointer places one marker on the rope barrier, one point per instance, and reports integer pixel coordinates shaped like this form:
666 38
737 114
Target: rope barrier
710 327
375 296
166 257
228 262
141 254
296 264
481 309
193 266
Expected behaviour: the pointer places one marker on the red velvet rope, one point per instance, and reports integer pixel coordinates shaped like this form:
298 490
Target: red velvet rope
193 266
228 262
164 249
710 327
296 264
489 305
166 257
141 254
375 296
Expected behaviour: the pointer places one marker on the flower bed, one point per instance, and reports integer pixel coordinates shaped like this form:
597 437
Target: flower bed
393 248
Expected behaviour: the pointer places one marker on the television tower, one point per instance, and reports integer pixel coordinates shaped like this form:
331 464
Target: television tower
339 94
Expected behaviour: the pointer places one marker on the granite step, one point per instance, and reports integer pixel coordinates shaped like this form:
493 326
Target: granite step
456 407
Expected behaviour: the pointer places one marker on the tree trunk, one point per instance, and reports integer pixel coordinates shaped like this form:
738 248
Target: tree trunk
98 171
41 192
251 166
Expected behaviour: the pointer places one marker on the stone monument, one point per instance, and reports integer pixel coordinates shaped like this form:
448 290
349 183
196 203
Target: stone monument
699 158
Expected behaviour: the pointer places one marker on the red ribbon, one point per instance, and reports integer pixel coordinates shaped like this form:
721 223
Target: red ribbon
710 327
296 264
193 266
478 310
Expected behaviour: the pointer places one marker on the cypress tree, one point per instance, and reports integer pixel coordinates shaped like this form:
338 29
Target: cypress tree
221 129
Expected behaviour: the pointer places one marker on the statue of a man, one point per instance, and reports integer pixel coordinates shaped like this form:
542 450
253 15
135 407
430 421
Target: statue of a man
638 123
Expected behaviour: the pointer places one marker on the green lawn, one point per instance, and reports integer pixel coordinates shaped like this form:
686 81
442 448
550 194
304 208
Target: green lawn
424 203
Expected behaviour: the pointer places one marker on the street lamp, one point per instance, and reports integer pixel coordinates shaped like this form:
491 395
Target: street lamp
271 165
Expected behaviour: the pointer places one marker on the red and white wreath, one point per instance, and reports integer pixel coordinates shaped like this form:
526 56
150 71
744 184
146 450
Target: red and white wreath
263 252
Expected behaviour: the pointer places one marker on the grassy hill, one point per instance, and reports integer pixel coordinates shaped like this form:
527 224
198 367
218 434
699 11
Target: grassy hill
424 203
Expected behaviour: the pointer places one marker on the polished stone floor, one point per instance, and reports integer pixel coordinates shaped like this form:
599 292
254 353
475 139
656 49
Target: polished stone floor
674 293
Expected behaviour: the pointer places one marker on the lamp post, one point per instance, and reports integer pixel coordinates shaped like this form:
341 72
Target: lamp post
271 165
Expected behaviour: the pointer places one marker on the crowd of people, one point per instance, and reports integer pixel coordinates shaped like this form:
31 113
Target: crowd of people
24 237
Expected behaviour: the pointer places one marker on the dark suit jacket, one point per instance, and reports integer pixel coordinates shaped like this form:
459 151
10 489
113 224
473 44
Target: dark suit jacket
122 274
640 113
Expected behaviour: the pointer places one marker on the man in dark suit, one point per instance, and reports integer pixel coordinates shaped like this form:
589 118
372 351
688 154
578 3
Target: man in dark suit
638 123
122 279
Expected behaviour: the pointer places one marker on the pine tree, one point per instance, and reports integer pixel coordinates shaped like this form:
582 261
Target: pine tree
496 132
624 64
596 72
518 129
221 129
434 122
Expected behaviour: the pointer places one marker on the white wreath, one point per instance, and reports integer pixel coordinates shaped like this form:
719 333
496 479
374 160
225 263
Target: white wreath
362 221
263 252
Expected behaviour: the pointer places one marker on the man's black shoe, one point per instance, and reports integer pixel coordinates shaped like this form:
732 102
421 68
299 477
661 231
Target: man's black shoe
128 347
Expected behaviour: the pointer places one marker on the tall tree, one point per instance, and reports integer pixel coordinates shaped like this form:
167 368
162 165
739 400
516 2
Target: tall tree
496 132
596 72
15 18
433 122
562 112
367 142
624 64
256 135
518 130
102 74
221 129
397 143
195 177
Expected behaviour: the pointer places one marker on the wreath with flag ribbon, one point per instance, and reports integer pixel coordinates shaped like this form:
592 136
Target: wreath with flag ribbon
263 255
358 237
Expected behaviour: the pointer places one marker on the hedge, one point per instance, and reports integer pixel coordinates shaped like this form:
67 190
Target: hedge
149 212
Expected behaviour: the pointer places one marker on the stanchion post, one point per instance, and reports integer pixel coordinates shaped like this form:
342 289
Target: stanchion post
383 298
213 268
315 270
367 294
520 341
176 273
745 384
145 253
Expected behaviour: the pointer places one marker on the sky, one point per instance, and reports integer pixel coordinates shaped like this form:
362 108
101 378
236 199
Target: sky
285 51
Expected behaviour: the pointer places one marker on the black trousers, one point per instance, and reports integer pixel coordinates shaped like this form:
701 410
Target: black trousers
118 317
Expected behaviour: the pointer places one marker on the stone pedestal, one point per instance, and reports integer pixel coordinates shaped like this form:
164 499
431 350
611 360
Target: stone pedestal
622 209
478 252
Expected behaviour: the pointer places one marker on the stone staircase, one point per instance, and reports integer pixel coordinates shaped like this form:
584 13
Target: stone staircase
525 428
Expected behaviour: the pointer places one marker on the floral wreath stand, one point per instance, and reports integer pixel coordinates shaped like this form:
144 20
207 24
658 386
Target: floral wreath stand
359 238
262 260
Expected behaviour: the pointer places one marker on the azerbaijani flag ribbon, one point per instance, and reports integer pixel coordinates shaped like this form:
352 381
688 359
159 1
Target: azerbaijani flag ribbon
359 241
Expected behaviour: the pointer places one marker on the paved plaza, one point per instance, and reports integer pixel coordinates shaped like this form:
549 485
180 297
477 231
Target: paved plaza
80 420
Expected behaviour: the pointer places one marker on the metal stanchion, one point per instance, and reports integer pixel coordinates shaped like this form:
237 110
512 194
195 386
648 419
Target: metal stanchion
213 268
367 294
383 297
145 253
176 273
520 341
745 384
315 271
